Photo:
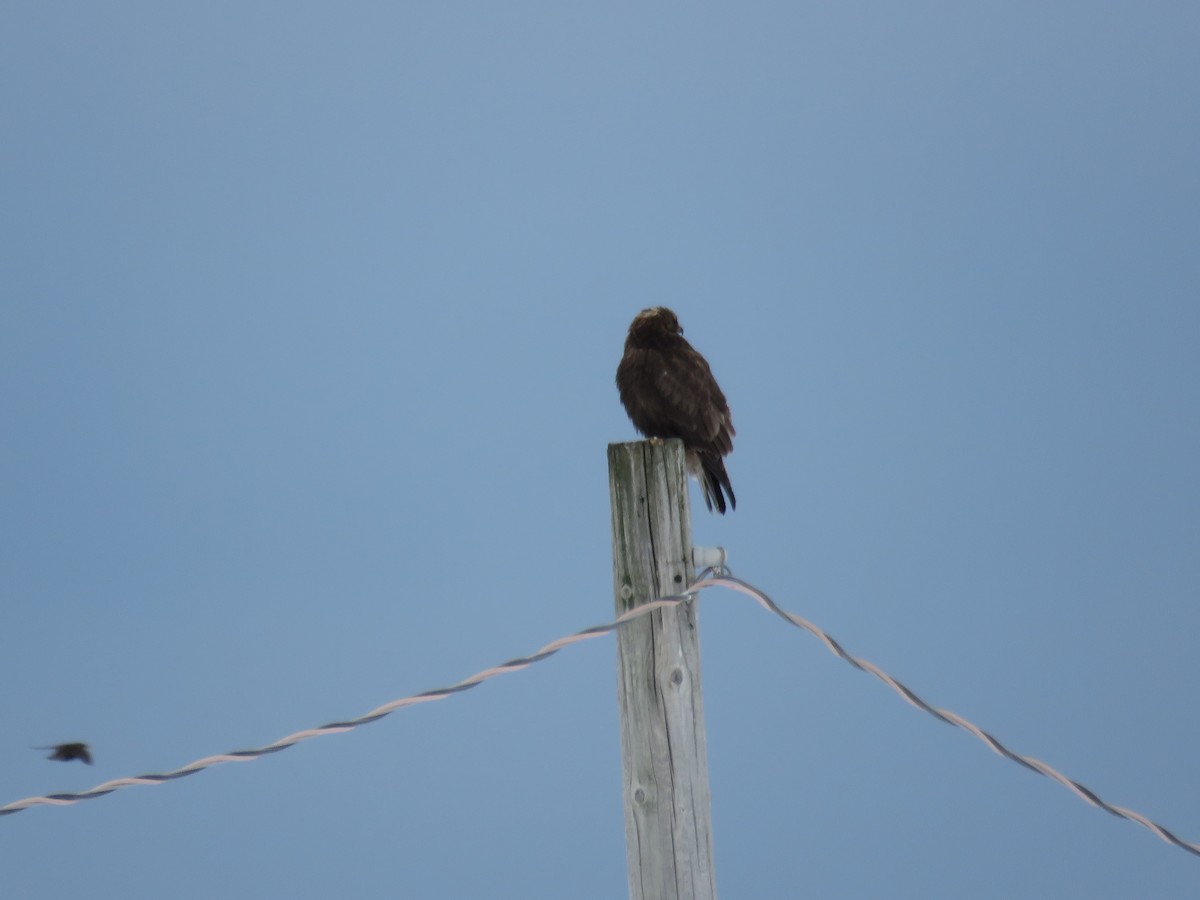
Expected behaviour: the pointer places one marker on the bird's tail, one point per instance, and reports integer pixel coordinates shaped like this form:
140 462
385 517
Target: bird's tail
715 482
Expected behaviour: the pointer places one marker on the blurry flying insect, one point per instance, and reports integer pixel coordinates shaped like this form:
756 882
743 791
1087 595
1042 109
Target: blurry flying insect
68 752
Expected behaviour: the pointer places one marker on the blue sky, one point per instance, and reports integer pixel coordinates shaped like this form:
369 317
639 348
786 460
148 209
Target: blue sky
308 329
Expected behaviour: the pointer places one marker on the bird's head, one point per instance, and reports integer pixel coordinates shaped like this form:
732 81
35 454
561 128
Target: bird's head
657 318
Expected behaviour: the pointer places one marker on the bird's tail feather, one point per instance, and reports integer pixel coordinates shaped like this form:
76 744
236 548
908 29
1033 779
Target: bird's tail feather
715 482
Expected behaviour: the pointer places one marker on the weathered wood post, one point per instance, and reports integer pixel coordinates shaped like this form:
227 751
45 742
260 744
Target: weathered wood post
668 829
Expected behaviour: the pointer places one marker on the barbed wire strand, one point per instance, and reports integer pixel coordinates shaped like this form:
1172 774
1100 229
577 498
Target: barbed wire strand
726 579
513 665
708 578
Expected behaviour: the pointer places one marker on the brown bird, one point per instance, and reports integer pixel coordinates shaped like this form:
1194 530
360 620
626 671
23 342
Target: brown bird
669 392
68 752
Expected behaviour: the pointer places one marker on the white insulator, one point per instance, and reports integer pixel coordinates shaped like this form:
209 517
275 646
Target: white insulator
709 557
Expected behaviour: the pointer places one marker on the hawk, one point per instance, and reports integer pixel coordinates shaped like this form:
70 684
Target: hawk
669 392
68 752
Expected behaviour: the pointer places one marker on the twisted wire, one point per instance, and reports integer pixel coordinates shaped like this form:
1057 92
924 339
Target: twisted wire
726 579
721 577
513 665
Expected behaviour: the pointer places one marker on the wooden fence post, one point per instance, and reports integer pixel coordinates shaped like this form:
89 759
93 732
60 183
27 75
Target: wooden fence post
668 828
